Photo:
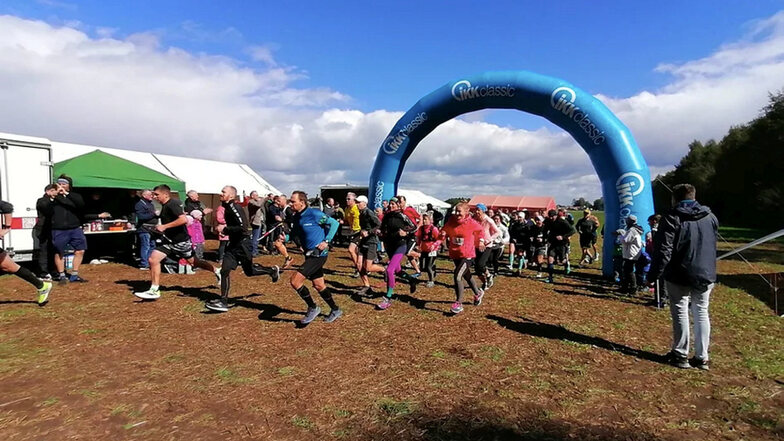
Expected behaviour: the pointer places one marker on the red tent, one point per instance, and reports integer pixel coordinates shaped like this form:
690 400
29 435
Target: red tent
531 203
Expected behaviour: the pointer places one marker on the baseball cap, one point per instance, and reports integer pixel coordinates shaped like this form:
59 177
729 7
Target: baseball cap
587 211
481 207
362 199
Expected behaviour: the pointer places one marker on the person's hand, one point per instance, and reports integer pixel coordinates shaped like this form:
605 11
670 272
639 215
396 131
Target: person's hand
207 210
4 231
160 228
364 233
403 233
482 247
322 245
220 228
558 237
104 215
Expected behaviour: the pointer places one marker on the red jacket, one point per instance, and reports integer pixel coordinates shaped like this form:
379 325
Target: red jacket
463 237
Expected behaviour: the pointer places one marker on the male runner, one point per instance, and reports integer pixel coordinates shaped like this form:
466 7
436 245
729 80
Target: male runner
351 223
239 250
368 244
586 228
315 230
8 265
177 244
557 231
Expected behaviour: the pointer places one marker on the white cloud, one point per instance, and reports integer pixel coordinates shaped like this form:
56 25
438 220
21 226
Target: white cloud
136 93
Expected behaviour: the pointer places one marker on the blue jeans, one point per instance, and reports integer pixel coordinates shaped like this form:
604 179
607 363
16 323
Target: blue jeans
255 234
681 298
146 245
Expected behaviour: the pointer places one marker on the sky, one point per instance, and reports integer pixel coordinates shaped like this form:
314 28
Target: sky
305 92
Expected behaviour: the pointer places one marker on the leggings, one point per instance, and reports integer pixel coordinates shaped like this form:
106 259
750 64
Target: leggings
496 258
394 266
482 257
429 265
463 272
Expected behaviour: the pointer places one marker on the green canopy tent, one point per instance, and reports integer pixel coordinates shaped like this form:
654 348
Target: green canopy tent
101 170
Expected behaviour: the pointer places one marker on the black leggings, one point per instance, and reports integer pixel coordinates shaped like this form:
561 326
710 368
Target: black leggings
463 272
239 255
496 258
429 265
482 257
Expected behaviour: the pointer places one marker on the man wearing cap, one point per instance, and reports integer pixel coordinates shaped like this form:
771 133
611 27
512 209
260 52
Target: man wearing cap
586 228
368 244
632 248
67 230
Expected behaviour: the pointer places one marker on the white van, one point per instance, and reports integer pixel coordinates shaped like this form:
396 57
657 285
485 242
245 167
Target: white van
25 169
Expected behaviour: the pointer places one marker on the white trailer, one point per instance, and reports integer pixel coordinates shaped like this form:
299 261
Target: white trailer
25 169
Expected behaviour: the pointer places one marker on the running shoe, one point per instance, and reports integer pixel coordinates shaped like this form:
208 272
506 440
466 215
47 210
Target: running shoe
46 277
150 294
62 280
363 291
144 268
333 315
699 363
288 261
355 275
416 275
478 298
490 280
275 274
456 308
43 293
76 279
676 360
218 276
430 284
385 304
310 315
217 305
539 275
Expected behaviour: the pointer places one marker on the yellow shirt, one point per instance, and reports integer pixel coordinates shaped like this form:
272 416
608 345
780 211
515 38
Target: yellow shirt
352 217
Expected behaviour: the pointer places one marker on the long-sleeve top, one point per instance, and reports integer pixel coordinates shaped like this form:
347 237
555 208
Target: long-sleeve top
236 220
428 238
502 238
632 243
67 211
391 226
196 231
464 235
145 213
490 231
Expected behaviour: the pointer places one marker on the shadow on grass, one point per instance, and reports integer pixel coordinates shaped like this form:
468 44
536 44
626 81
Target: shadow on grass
754 285
404 421
13 302
606 295
556 332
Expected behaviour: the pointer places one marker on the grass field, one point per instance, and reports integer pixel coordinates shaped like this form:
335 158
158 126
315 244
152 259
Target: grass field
572 360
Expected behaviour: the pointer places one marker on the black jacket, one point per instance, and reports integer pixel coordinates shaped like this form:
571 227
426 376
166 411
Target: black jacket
368 221
684 247
558 227
393 223
67 211
237 225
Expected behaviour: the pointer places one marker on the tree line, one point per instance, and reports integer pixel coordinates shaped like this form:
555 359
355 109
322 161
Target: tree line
741 177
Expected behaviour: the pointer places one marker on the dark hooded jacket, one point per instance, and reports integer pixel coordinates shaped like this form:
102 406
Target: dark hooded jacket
684 247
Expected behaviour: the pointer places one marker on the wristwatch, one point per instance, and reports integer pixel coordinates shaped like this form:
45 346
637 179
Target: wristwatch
6 227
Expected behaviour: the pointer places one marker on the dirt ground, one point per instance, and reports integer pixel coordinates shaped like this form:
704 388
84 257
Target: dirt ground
572 360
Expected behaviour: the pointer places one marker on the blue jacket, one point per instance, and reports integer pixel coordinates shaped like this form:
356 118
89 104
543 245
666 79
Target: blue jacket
312 227
145 213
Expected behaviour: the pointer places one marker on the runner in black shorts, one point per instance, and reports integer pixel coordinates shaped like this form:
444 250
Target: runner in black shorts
309 226
368 244
176 242
557 230
8 265
238 251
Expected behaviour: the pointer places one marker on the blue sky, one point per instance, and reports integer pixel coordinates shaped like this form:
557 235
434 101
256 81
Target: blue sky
371 57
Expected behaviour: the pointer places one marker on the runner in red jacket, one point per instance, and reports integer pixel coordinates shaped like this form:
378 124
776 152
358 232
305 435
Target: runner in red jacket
465 237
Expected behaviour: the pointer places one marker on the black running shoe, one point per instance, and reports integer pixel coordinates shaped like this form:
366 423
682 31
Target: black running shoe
699 363
412 284
676 360
76 279
275 274
363 291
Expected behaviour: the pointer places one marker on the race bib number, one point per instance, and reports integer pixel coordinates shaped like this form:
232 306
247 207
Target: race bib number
433 253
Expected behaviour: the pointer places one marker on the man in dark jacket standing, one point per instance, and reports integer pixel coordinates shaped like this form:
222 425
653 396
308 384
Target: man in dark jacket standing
685 257
146 219
67 230
42 232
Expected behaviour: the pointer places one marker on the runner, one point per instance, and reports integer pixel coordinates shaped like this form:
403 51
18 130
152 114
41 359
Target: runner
368 244
8 265
314 230
586 227
395 229
416 220
177 244
498 244
490 233
278 225
239 250
557 231
351 225
538 248
465 237
429 243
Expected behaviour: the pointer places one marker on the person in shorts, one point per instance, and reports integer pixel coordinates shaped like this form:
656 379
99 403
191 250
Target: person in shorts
314 230
368 244
176 243
557 231
8 265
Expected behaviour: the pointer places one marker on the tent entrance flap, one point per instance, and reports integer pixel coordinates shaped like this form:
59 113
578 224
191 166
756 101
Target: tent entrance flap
100 169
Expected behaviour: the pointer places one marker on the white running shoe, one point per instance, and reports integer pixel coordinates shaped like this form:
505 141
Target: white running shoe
150 294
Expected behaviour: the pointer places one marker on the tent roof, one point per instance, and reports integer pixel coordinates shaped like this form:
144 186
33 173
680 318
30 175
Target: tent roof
417 198
515 202
101 169
202 175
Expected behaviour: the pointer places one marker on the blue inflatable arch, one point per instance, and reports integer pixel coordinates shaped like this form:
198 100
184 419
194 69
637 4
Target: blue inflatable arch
613 152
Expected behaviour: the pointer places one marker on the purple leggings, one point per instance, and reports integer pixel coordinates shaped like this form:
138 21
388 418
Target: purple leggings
394 265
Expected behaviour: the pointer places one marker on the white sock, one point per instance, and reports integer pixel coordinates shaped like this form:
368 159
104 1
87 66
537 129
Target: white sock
154 287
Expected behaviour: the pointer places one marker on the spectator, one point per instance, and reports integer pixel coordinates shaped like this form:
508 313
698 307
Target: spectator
67 233
256 214
223 240
192 202
146 219
632 248
685 257
42 232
